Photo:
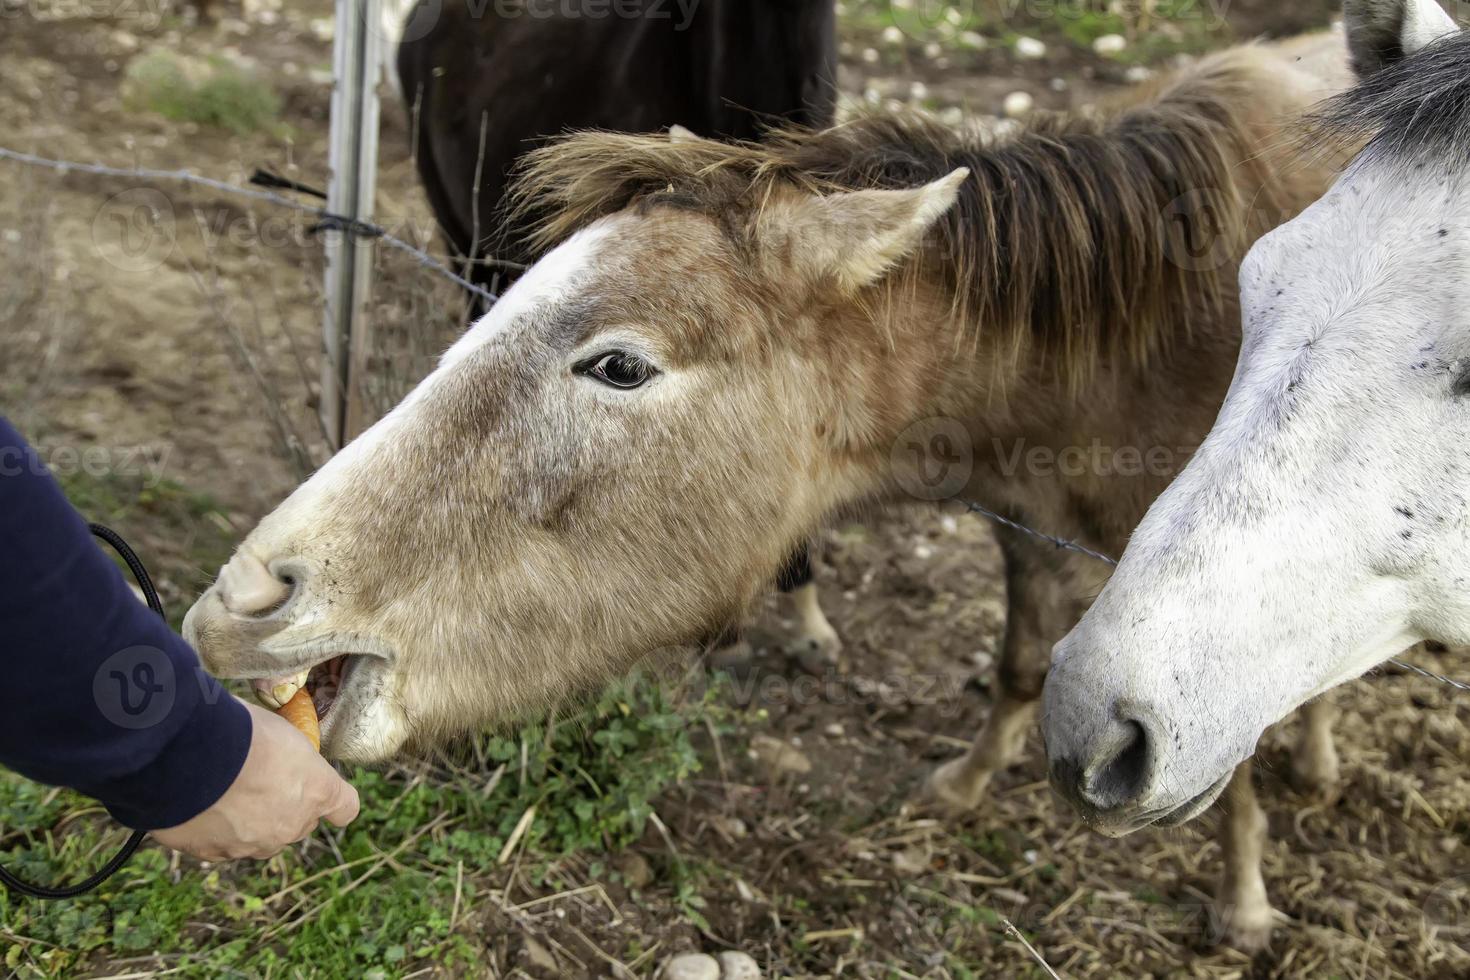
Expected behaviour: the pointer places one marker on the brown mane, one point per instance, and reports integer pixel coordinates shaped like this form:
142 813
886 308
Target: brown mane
1058 241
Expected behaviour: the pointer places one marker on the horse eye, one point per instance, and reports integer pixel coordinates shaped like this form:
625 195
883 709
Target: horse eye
618 369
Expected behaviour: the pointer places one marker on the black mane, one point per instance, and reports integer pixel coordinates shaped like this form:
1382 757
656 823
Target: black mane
1415 110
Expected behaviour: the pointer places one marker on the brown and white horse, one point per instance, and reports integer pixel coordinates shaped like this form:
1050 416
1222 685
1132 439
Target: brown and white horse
729 344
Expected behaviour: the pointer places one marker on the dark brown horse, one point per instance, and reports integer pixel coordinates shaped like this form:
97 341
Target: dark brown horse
485 82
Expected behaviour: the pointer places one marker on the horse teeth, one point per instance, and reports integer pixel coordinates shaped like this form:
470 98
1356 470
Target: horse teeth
274 692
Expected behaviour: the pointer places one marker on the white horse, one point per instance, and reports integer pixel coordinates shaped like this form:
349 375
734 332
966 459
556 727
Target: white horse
1324 525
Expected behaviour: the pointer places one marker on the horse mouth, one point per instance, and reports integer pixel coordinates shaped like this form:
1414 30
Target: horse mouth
1166 817
338 686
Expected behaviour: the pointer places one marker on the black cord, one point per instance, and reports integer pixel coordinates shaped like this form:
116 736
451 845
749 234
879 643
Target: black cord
10 881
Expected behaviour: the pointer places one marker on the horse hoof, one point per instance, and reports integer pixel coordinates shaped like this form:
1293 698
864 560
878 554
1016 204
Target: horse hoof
954 788
1249 930
817 652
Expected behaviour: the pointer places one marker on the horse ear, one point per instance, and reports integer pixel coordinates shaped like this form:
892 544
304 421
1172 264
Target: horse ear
854 237
1382 32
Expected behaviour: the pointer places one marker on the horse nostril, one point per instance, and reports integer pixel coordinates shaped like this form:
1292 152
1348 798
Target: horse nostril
247 587
1121 773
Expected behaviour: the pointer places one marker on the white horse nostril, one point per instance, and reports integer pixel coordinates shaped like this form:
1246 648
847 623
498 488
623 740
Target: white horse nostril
247 587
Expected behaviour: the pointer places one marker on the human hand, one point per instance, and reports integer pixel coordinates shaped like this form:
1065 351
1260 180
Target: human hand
284 789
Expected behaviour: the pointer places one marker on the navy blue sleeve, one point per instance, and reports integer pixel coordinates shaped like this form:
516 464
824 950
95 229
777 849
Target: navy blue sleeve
99 694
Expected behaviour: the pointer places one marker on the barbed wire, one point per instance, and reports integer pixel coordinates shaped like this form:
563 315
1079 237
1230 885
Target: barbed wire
331 221
328 220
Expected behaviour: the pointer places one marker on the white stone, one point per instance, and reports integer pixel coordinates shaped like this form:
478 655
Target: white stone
1109 44
692 966
1030 48
973 39
739 966
892 35
918 91
1018 104
870 55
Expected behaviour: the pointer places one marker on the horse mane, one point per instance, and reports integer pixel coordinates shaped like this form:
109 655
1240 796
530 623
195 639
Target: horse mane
1058 243
1416 109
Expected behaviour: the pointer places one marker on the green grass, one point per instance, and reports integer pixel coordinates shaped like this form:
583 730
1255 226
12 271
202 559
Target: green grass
381 901
212 92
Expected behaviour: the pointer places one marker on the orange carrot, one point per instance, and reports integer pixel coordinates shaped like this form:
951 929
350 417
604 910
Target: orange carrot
299 711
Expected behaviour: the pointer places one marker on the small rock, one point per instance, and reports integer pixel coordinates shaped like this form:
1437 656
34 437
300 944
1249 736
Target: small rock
780 758
739 966
950 116
692 966
933 50
973 40
923 552
918 91
732 827
1109 44
1138 73
1030 48
834 730
1018 104
870 55
892 35
1058 84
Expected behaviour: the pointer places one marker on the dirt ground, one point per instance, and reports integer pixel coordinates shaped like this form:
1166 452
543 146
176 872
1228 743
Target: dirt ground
825 872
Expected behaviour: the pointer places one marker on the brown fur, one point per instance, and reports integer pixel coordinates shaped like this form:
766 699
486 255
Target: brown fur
1054 245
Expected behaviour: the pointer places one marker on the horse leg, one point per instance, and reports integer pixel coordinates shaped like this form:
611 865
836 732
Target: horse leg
1035 614
815 643
1241 903
1314 763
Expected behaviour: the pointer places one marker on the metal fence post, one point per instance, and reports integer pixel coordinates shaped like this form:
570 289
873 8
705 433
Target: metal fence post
356 54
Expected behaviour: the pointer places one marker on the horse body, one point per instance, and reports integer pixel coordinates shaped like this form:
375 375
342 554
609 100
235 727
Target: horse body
485 83
746 337
1321 529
